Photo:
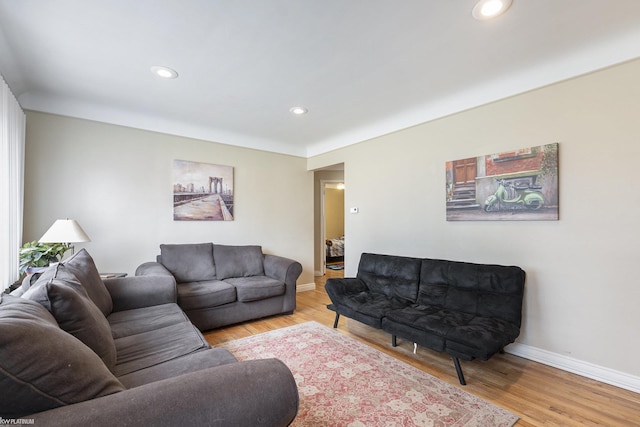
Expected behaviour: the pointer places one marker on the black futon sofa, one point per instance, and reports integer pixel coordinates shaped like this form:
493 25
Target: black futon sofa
470 311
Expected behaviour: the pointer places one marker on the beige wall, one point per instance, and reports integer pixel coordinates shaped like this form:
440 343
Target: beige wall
117 182
582 291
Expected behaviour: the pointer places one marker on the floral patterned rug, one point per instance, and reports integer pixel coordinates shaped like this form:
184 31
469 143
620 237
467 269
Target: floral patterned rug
343 382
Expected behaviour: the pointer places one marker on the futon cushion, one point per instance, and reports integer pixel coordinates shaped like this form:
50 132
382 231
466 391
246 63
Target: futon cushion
367 307
238 261
62 294
205 294
462 334
393 276
482 337
485 290
256 288
82 266
189 262
41 366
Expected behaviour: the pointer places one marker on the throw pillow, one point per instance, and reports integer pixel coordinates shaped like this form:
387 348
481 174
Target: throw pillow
26 284
191 262
238 261
41 366
62 294
82 266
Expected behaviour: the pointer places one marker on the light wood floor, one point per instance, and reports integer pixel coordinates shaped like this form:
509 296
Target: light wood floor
539 394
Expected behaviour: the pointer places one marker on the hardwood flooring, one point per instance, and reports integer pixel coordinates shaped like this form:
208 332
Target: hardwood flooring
540 395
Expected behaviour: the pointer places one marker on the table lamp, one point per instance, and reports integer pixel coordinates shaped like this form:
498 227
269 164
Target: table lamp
65 231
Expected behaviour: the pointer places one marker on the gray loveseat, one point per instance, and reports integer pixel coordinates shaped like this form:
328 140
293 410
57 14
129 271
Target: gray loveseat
220 285
470 311
79 351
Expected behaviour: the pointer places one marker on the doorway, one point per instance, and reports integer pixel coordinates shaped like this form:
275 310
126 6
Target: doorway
328 215
333 235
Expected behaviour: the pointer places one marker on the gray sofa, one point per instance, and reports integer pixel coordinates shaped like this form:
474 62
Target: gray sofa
220 285
79 351
470 311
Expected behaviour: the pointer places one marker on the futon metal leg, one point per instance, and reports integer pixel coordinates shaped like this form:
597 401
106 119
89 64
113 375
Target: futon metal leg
394 341
335 322
459 371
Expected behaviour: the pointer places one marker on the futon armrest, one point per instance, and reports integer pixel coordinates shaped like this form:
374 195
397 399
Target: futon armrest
251 393
141 291
336 287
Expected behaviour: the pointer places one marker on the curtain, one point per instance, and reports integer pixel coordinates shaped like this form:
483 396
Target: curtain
12 142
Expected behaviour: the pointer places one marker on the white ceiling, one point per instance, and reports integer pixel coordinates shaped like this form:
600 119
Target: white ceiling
363 68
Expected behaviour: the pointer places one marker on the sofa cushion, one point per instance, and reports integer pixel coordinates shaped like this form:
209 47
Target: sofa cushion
180 366
157 346
189 262
63 295
238 261
205 294
135 321
41 366
255 288
81 264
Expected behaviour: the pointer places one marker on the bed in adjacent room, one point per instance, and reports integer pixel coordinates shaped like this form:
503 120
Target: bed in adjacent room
335 249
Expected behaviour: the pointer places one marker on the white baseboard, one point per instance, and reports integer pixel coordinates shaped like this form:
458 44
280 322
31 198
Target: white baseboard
579 367
318 273
306 287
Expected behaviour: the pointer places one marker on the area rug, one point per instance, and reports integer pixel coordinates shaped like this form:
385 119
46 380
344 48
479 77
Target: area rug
343 382
339 266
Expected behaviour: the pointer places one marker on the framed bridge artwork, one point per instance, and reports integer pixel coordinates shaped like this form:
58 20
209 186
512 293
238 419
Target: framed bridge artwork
518 185
202 191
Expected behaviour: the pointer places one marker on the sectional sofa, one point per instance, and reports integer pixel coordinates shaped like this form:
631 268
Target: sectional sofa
79 351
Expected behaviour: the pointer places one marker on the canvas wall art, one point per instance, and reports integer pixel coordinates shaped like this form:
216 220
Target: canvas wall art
519 185
202 191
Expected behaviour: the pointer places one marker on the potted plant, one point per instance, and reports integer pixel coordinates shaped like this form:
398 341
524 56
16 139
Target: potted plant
36 255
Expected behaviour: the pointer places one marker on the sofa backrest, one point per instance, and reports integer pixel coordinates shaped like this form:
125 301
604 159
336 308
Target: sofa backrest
188 262
194 262
393 276
487 290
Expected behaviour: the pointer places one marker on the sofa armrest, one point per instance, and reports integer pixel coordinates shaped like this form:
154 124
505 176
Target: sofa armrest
152 268
285 270
251 393
337 287
141 291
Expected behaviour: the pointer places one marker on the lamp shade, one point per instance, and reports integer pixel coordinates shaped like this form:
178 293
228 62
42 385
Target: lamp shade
65 231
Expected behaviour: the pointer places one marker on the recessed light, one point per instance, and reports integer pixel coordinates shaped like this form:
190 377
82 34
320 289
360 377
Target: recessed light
487 9
164 72
298 111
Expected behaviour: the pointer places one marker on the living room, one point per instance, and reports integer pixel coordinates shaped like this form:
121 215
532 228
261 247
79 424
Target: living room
580 311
